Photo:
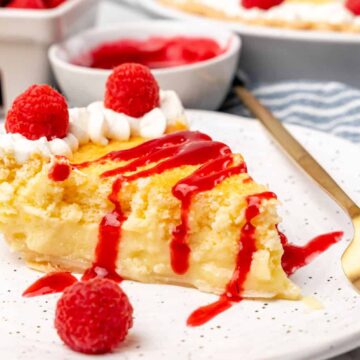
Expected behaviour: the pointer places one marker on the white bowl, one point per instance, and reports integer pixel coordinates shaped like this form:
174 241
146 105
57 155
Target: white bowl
25 36
276 54
202 85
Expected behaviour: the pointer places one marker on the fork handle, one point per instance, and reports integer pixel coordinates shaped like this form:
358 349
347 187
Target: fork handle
296 151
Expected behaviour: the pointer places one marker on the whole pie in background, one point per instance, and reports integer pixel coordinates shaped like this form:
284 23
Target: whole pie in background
333 15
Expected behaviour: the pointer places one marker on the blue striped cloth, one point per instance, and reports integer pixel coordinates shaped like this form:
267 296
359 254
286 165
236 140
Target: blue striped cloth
330 107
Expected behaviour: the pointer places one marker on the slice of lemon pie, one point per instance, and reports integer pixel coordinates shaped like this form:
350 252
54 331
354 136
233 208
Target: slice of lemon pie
123 189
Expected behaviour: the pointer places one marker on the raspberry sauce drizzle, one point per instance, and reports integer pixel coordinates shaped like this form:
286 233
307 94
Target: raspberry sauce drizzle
106 251
50 283
189 153
203 179
296 257
149 147
247 247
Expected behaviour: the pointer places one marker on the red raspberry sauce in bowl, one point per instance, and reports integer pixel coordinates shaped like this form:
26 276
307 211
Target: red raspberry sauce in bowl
154 52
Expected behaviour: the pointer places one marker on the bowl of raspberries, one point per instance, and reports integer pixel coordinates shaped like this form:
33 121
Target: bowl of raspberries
27 29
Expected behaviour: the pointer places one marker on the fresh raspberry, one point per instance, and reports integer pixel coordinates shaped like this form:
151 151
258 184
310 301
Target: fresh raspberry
94 316
132 89
39 111
353 6
26 4
261 4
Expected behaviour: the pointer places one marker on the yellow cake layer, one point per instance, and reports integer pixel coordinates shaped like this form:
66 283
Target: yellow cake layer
55 225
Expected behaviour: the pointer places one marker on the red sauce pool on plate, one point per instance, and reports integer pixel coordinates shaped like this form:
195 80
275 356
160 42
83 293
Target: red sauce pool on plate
154 52
50 283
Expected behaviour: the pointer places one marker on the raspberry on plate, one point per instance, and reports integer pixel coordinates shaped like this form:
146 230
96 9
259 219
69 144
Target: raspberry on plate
260 4
93 317
26 4
132 89
39 112
353 6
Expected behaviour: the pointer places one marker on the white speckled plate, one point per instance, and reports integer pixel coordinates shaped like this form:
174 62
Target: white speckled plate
251 329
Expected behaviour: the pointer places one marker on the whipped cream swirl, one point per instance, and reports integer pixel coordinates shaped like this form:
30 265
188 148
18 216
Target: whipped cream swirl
98 125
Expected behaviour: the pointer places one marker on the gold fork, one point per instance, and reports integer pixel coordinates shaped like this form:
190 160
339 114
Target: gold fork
351 257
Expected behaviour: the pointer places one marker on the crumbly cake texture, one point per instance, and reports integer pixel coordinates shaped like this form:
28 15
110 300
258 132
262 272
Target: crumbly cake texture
197 8
54 225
